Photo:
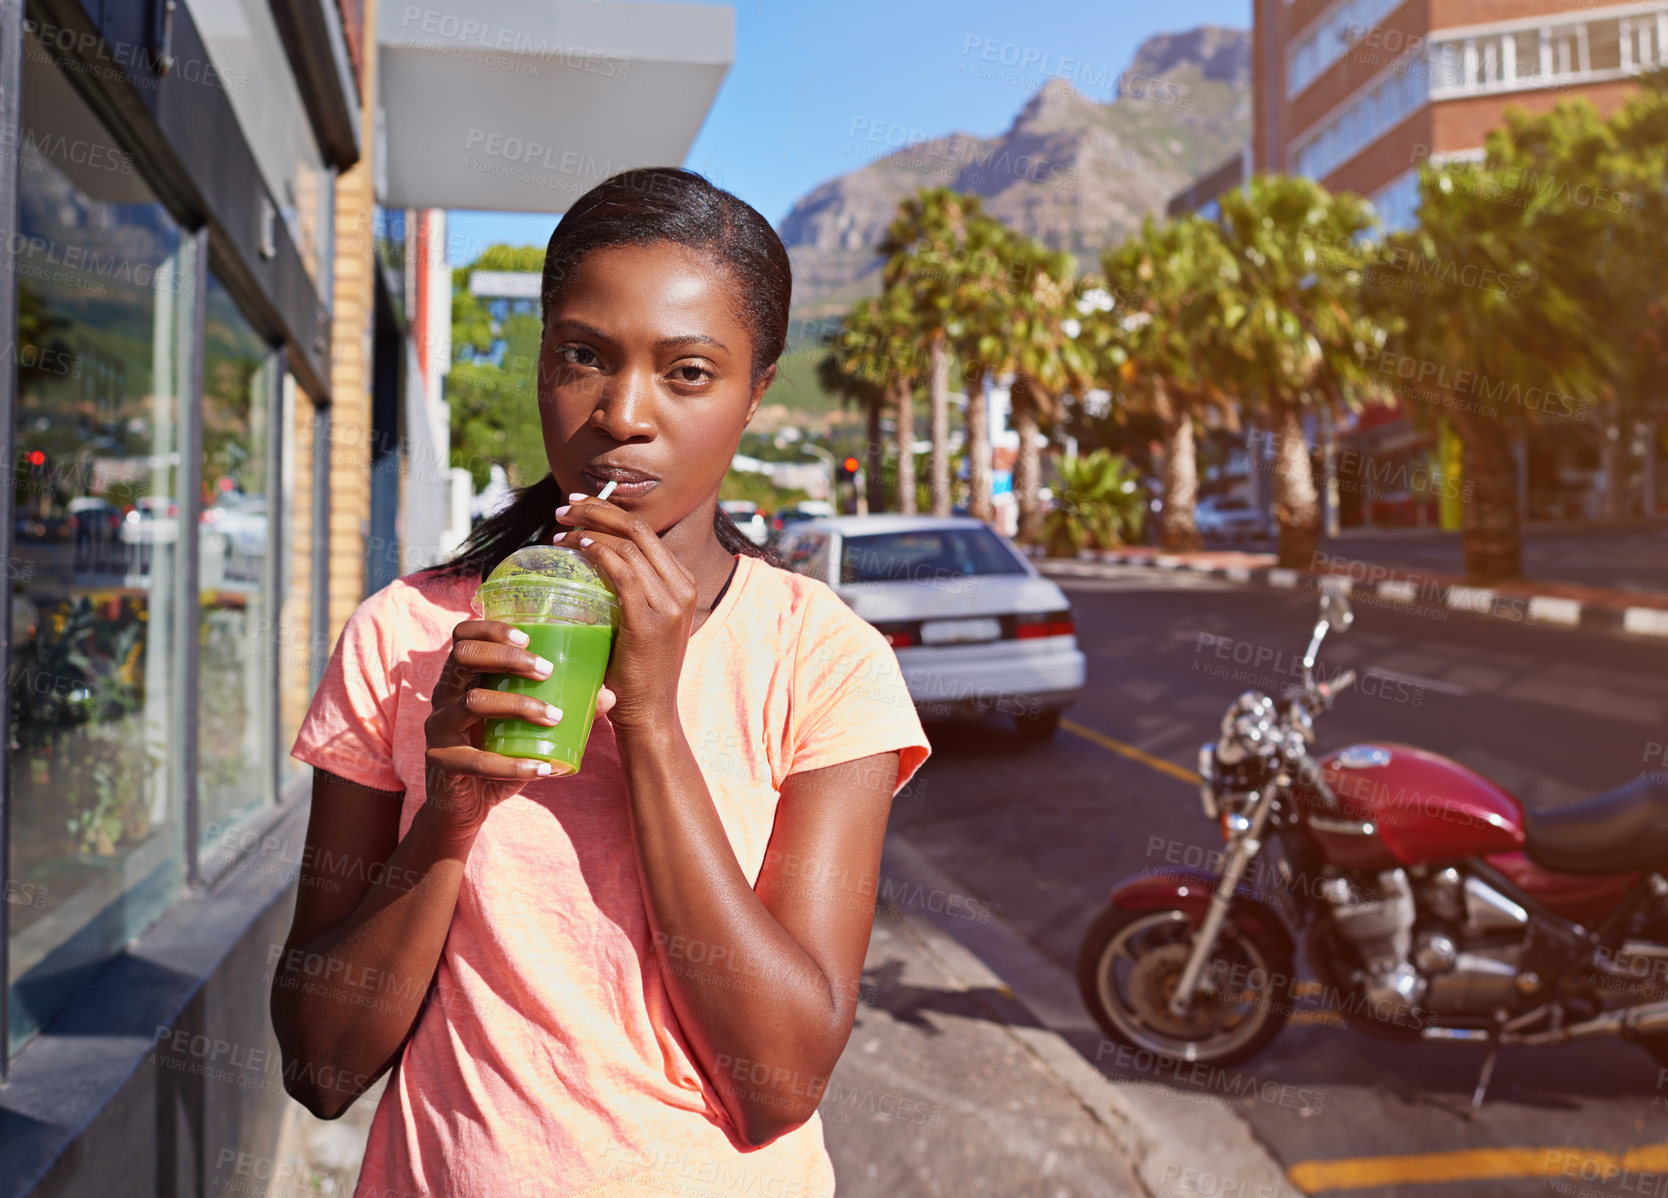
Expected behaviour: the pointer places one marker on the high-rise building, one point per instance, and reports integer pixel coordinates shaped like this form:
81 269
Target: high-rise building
1358 93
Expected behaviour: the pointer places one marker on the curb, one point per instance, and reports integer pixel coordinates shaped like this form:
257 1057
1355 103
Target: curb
1155 1128
1412 591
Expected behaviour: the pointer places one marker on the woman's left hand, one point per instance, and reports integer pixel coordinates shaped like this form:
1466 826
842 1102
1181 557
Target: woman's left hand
657 609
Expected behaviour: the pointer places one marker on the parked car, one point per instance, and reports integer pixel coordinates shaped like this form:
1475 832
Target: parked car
1229 517
748 518
810 509
976 628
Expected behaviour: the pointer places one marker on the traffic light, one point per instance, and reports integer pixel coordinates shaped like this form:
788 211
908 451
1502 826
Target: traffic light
848 469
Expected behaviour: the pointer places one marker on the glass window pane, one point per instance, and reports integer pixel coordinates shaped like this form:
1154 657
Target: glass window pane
104 338
1527 46
235 688
1604 46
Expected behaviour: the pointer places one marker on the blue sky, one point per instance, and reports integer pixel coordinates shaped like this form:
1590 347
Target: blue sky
815 80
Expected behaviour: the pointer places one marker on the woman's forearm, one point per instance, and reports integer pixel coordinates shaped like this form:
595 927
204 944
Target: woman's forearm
764 1020
344 1002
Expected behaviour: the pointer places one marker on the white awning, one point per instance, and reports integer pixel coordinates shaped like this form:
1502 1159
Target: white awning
524 105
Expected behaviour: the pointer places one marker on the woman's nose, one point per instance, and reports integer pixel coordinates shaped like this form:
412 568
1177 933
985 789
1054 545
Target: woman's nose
625 410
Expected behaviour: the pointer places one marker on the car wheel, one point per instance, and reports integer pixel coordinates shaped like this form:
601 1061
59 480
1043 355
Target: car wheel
1039 726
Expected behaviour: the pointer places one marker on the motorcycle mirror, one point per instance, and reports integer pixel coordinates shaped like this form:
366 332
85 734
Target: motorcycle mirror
1335 610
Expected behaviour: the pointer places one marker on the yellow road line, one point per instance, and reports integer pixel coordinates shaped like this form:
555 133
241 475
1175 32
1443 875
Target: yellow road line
1168 768
1424 1168
1476 1164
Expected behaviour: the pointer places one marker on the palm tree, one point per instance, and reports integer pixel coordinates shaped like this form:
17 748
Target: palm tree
1165 345
982 314
922 251
1044 356
1556 307
865 364
1293 321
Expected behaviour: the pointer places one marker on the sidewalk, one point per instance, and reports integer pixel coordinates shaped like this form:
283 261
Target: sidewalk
1634 563
948 1086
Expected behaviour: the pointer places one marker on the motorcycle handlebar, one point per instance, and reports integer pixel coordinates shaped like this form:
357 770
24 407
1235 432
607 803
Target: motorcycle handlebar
1341 683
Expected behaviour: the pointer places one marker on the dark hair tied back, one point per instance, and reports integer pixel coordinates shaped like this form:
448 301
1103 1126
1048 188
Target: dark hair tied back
643 207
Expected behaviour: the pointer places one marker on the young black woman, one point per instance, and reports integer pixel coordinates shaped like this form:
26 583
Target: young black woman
636 979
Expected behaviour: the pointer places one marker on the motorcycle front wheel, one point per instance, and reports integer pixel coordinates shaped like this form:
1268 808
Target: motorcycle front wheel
1127 970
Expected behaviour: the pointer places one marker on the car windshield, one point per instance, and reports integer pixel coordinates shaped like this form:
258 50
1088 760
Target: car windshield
925 553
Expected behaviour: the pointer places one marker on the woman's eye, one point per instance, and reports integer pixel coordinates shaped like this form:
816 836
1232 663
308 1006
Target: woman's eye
577 355
691 373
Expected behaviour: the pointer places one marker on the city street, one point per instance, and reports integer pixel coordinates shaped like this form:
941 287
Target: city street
1041 833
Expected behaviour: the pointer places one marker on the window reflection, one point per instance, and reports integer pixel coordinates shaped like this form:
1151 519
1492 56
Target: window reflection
103 345
235 689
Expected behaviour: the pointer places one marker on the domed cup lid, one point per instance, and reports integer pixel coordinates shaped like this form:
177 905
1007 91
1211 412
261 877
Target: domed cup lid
549 582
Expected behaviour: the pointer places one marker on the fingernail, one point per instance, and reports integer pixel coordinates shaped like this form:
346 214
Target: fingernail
543 768
541 666
553 713
517 636
585 540
561 511
576 495
557 537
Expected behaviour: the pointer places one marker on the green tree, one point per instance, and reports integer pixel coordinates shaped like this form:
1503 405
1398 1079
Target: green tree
1163 347
924 269
1293 323
1043 353
1530 292
492 388
1100 504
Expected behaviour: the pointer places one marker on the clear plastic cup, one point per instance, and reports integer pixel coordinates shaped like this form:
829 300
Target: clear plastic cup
570 615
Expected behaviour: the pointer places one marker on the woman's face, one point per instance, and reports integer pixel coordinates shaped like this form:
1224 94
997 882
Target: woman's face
645 379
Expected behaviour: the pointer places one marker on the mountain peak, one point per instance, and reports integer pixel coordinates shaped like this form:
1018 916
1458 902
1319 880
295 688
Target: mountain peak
1056 102
1215 51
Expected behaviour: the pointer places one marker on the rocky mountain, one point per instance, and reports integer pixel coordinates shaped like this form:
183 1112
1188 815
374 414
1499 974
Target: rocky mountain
1072 171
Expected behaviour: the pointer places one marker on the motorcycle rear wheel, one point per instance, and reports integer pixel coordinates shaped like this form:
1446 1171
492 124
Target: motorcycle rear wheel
1132 1009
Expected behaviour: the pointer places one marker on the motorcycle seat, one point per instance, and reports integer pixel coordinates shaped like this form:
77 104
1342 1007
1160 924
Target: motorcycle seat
1620 831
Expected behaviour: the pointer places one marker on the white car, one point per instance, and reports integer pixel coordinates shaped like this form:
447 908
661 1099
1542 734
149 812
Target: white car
1228 517
976 628
748 518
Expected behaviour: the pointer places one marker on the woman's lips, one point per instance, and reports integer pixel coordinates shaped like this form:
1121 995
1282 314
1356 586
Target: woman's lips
624 488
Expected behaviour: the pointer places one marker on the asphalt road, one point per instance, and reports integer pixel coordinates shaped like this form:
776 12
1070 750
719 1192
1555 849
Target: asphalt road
1042 832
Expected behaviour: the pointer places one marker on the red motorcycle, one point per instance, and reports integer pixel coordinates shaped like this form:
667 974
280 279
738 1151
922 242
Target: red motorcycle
1433 906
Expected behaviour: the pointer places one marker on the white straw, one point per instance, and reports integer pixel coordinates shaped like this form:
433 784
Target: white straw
609 489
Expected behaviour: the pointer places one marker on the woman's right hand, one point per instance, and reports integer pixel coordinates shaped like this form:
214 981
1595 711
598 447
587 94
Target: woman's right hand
465 782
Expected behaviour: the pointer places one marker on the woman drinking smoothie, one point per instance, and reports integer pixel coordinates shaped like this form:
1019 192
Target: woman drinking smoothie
634 979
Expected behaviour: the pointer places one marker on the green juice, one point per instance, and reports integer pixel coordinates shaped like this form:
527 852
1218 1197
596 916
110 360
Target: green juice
579 656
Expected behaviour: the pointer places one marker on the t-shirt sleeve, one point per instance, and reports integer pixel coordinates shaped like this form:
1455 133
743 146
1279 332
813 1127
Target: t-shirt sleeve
349 727
849 696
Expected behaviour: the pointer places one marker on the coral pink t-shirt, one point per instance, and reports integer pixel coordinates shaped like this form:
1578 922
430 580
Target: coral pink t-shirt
549 1060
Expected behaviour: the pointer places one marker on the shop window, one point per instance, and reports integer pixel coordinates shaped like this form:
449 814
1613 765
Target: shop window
104 338
236 689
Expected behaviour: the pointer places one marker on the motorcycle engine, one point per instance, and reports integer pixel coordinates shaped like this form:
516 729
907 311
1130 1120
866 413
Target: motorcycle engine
1378 922
1470 946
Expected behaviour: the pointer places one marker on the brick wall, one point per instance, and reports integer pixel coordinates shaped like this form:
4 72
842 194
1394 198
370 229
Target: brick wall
1464 123
294 673
350 364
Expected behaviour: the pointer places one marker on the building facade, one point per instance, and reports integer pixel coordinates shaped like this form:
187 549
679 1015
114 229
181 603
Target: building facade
227 300
1359 93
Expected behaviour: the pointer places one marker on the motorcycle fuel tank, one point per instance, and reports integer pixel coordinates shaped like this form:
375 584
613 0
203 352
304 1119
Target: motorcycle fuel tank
1404 806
